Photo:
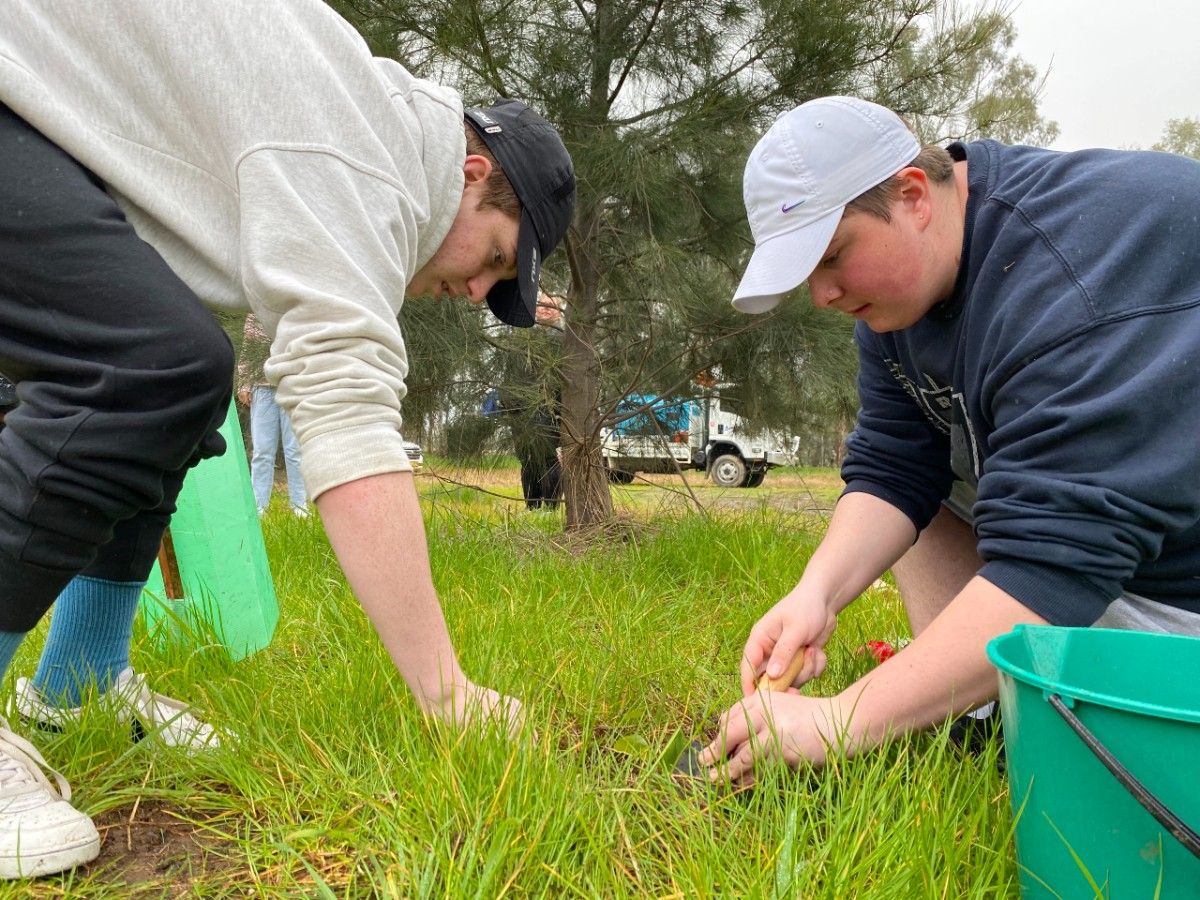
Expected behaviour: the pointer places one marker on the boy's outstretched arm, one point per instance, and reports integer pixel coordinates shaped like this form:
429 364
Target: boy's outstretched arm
943 672
377 532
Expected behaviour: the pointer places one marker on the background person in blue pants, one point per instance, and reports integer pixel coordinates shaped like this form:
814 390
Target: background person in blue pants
269 424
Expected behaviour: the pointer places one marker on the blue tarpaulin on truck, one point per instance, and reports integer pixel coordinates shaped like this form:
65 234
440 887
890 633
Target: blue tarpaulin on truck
636 411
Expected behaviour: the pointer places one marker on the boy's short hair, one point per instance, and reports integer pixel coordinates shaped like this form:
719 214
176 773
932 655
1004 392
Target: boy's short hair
498 190
935 162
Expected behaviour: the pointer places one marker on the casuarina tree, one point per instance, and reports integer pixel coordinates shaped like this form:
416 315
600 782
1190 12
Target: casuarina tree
659 103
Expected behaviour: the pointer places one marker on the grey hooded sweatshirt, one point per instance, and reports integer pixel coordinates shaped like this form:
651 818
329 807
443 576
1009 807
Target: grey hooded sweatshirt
276 166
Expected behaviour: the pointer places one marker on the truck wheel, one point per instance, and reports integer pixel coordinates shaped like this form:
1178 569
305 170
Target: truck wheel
755 479
728 471
616 476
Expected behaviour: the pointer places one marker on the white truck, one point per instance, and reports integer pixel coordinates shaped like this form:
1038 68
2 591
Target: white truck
690 434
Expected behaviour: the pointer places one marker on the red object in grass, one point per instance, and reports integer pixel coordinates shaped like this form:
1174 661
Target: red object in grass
881 650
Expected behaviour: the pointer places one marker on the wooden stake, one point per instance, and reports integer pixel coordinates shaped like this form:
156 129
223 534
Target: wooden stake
172 584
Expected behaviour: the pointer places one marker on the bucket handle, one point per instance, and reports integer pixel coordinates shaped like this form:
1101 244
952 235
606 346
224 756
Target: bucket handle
1180 829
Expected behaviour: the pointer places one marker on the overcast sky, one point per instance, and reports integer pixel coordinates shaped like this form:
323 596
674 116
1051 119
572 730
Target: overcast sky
1118 69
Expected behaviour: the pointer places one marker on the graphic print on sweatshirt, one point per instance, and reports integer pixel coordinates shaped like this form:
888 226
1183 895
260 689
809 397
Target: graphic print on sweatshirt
946 410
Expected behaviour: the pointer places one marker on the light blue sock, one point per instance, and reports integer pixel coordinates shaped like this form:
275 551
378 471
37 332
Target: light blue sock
9 642
90 630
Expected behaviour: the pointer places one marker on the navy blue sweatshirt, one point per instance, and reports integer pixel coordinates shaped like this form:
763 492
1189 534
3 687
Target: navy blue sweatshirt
1061 378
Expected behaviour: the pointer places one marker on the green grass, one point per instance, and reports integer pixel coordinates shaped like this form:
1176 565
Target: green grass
338 787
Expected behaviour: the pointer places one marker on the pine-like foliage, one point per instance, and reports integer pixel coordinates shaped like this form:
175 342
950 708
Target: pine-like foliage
659 104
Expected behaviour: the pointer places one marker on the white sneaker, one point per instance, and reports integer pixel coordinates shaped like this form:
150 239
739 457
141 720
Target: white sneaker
148 714
40 831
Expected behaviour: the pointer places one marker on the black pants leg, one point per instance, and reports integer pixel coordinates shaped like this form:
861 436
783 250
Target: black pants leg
123 380
530 481
552 483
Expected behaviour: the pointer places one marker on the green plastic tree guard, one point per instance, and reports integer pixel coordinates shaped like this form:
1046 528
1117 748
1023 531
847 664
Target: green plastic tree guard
220 557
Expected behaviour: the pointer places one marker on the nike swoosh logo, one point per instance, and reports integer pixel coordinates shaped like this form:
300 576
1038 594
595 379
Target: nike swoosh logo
788 208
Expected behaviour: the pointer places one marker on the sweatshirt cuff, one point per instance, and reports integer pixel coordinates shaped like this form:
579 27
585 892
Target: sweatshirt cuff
1057 595
921 515
348 454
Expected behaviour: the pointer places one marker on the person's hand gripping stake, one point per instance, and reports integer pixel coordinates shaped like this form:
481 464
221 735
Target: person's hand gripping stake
690 763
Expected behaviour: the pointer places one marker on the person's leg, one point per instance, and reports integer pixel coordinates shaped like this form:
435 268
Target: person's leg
931 574
538 479
92 623
264 443
529 480
545 490
90 631
124 377
936 568
552 492
297 495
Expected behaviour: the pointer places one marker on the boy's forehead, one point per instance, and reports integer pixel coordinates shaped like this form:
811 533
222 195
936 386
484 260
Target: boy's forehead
499 224
851 220
842 228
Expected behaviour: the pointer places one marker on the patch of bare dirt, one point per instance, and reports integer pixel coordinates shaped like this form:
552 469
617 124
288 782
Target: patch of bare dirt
156 850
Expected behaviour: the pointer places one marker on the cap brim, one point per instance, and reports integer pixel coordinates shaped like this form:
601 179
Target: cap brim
781 263
514 302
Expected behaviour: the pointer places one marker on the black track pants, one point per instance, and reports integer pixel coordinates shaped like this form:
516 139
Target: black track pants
122 380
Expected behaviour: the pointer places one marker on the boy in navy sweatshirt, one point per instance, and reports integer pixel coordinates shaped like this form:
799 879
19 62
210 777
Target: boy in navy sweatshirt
1028 444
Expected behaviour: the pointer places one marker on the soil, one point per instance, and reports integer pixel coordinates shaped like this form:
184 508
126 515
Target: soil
156 851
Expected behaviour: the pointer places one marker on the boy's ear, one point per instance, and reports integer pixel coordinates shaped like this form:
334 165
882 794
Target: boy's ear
915 189
914 183
476 168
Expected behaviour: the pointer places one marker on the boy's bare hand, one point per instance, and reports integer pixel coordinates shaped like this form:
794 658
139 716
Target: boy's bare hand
772 725
799 620
472 705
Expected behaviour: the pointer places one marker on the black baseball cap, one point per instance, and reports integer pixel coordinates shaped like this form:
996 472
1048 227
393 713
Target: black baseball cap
537 164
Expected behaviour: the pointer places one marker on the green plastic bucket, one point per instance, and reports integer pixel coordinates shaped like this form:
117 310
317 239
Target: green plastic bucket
1081 831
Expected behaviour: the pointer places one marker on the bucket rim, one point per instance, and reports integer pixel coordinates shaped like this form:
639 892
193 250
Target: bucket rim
1098 698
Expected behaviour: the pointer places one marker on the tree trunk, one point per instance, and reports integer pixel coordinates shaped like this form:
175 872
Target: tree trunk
585 475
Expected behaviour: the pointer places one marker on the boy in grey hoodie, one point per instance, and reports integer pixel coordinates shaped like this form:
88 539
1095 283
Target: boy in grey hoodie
160 157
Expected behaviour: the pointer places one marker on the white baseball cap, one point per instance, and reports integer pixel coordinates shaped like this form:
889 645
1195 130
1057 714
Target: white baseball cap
812 162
